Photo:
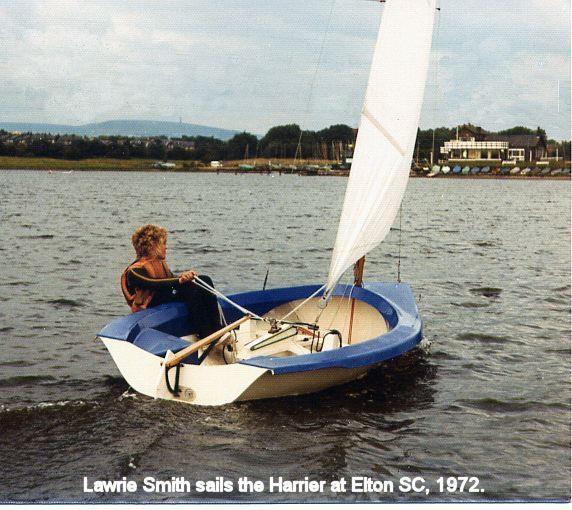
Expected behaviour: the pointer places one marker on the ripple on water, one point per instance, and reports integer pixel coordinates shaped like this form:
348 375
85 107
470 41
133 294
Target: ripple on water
38 236
510 406
469 304
64 303
489 292
25 380
483 337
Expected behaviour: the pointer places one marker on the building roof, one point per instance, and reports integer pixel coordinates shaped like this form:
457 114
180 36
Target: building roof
524 141
476 130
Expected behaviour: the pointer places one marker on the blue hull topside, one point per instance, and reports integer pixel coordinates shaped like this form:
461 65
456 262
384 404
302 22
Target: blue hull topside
159 329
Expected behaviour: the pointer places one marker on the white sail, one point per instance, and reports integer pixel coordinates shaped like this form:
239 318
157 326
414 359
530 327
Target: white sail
387 131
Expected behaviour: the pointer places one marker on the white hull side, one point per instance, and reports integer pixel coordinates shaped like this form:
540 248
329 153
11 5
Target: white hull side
301 383
218 384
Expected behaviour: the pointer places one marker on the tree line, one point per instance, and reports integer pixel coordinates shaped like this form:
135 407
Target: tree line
286 141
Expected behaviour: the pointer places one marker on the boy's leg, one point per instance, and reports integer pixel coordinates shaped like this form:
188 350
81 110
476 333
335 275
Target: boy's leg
203 307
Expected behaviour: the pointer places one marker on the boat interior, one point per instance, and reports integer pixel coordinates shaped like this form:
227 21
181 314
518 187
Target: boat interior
337 326
353 315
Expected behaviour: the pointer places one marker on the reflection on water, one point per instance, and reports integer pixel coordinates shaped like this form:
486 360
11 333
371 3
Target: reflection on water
489 263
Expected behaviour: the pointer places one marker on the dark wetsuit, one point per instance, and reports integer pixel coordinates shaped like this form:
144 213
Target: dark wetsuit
202 305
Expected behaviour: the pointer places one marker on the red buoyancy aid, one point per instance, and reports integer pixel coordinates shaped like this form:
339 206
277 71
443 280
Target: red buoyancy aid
138 299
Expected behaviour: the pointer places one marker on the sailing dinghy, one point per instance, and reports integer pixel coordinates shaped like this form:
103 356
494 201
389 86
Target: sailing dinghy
297 340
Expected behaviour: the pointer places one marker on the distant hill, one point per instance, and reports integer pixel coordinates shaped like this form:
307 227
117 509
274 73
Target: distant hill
123 128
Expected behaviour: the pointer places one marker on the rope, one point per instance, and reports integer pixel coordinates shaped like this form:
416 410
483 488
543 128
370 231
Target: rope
347 317
303 302
212 290
340 302
204 285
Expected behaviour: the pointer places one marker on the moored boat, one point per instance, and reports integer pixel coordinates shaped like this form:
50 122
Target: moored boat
485 169
475 170
457 169
526 171
311 170
515 171
466 170
446 169
435 170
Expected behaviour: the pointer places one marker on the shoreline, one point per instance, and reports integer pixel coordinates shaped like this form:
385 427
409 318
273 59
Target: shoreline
10 163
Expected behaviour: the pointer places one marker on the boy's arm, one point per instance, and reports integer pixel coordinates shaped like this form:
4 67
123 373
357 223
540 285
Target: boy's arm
140 278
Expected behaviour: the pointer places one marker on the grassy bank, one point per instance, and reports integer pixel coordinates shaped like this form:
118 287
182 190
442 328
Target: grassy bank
17 163
23 163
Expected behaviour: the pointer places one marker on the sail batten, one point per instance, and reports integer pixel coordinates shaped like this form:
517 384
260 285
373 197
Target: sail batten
387 131
366 113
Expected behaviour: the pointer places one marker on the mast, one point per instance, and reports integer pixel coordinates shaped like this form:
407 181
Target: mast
358 282
358 272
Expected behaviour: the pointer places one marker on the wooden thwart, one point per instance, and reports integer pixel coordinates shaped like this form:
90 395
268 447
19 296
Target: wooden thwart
187 351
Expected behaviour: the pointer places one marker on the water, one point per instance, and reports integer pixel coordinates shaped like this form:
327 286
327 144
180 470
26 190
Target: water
489 262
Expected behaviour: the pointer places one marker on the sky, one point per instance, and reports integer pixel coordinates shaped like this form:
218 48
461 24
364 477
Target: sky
252 64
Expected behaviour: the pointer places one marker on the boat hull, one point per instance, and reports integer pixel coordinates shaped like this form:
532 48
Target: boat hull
301 383
144 372
141 343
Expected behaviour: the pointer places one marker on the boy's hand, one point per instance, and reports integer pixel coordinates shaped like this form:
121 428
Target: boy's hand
187 276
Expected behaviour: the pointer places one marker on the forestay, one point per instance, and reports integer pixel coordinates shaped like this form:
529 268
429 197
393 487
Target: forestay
386 137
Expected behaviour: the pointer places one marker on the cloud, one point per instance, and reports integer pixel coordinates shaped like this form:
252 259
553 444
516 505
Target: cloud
500 64
249 64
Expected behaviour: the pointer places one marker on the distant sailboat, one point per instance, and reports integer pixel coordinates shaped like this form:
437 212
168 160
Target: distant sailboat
246 165
303 339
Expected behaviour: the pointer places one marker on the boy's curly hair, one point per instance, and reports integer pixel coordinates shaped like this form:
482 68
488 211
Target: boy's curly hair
146 238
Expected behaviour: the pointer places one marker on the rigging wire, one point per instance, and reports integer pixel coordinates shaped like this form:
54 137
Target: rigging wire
348 314
399 246
313 82
437 100
303 302
308 103
340 303
212 290
436 83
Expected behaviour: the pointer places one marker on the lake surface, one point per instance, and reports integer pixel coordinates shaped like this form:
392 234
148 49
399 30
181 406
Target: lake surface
489 262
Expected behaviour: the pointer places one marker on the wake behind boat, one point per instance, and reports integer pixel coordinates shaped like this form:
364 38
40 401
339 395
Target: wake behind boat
303 339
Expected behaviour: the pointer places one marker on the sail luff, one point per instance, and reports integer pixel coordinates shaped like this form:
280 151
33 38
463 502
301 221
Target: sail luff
386 136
